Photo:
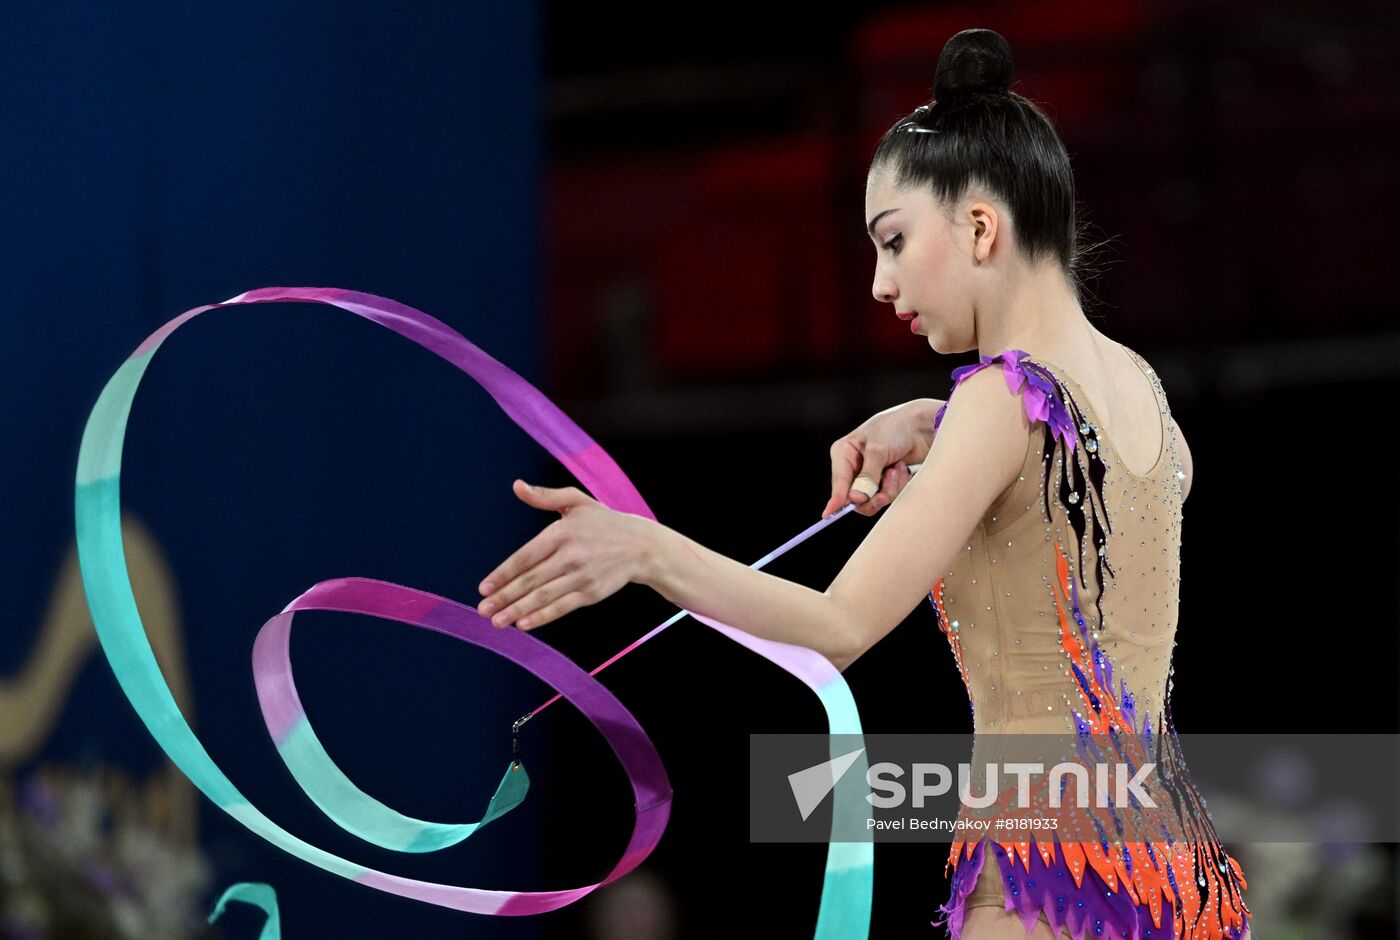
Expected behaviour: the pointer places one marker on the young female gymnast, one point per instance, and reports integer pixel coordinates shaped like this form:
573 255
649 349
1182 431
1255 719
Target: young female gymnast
1046 515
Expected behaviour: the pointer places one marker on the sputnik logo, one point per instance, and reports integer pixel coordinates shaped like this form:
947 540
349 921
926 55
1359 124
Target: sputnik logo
810 786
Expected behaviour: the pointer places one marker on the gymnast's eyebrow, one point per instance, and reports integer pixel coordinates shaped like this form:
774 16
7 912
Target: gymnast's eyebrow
870 227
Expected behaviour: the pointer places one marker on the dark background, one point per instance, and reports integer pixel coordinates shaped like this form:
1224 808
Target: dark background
658 220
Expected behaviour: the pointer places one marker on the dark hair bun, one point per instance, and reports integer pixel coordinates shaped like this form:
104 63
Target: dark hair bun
973 61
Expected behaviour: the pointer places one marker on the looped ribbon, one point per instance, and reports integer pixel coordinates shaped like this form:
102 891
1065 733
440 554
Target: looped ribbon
844 910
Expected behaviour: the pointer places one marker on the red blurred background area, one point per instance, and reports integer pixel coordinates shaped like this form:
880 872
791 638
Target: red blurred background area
705 220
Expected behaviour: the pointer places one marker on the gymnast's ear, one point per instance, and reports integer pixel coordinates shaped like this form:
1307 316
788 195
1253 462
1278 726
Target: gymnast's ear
985 224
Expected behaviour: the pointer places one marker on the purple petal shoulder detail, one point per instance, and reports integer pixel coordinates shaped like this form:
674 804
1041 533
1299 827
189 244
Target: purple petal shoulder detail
1024 377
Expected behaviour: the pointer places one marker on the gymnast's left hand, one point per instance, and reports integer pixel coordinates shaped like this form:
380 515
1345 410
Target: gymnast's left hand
589 553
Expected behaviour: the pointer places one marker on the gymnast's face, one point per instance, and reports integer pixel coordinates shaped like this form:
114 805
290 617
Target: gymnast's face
925 263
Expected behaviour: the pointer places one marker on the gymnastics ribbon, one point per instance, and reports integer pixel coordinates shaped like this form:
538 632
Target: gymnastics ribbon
255 894
844 910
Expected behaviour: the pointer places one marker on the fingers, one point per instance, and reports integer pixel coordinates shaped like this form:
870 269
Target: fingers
553 610
876 499
865 486
845 461
892 481
504 577
560 499
528 610
855 474
870 481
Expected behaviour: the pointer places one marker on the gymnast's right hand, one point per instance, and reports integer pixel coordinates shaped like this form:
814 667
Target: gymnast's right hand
875 457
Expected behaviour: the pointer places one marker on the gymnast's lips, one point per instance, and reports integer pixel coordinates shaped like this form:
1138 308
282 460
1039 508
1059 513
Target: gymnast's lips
906 314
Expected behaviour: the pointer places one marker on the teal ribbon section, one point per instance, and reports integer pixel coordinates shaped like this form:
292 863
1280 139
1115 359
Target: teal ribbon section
259 895
358 813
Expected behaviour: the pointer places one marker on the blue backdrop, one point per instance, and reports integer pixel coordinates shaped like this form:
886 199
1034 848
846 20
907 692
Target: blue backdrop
161 156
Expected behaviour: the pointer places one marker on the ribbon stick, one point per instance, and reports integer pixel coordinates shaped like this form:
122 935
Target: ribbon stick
759 565
682 614
844 910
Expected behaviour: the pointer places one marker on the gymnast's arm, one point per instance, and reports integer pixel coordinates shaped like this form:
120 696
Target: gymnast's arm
975 457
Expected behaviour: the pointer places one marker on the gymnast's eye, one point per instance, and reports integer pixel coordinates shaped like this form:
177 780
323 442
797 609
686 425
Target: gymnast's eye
894 243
